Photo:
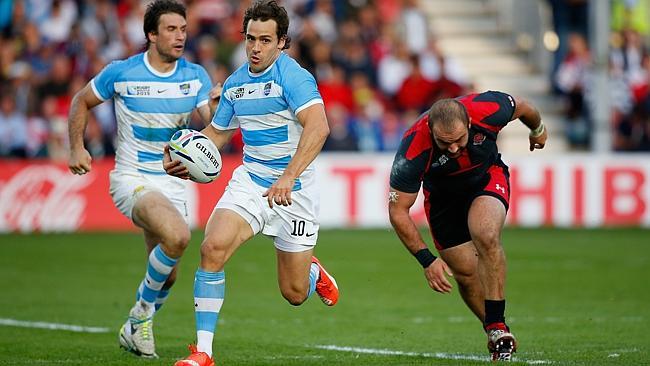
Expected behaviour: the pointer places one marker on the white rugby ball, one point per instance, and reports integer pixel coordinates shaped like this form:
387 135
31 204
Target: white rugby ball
197 153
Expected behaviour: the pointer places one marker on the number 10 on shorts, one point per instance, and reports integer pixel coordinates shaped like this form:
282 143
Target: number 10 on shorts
298 228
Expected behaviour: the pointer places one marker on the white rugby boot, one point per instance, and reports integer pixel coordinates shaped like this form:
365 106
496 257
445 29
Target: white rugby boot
136 335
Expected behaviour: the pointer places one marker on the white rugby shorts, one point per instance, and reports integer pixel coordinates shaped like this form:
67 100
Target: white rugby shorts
293 228
126 187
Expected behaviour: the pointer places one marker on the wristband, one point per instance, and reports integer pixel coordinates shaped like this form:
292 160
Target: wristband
425 257
538 131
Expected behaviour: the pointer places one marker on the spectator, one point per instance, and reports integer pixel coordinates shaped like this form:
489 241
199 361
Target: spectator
341 137
353 49
570 79
324 21
13 128
569 17
335 89
633 133
393 69
416 92
414 27
56 27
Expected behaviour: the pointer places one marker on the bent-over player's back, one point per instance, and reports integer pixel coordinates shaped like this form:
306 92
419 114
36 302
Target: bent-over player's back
420 161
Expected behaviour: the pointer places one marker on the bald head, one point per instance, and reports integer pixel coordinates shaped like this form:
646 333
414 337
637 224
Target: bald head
445 113
449 125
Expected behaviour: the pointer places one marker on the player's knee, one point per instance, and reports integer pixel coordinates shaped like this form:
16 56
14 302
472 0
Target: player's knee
213 253
294 296
465 277
488 242
179 239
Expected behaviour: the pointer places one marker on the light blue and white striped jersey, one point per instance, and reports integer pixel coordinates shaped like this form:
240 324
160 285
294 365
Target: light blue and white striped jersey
264 107
150 106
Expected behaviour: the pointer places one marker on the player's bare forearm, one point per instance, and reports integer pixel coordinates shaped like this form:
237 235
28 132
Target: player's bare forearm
219 137
314 133
529 116
205 112
215 97
527 113
398 211
79 161
77 122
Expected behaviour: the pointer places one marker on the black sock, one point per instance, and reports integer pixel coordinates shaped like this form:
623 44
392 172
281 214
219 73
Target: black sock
494 312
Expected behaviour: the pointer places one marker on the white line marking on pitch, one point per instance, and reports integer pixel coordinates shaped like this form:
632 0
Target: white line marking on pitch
438 355
52 326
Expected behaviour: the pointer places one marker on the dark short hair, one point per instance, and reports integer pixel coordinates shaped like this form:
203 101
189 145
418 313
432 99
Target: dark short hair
266 10
446 112
155 10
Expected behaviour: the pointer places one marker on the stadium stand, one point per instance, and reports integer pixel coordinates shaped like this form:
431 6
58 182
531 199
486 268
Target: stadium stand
378 63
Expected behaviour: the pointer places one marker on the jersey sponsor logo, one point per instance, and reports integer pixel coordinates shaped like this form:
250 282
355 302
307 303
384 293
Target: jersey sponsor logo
185 88
500 188
251 92
239 92
138 90
478 139
160 91
442 160
267 89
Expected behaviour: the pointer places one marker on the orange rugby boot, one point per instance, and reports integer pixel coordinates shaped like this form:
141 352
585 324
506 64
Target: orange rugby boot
326 287
195 358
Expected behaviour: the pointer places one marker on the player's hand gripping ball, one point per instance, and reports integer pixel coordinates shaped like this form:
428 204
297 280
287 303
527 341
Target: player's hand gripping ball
197 153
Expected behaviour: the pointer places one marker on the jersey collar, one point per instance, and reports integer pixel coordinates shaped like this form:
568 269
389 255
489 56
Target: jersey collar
156 72
258 74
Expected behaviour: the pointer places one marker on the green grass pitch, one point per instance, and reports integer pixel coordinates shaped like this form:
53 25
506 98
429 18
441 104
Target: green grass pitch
575 297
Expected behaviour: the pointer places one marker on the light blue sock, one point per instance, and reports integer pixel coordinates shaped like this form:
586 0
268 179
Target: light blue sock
314 272
209 291
162 297
160 300
158 269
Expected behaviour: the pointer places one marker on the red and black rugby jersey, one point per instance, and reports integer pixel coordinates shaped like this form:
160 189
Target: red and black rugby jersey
419 161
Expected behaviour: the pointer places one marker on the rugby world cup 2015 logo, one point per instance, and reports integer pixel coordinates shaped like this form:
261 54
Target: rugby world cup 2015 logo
138 90
239 92
185 88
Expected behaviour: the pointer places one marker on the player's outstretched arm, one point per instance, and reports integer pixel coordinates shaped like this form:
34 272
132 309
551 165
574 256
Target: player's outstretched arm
529 116
314 133
219 137
79 161
436 271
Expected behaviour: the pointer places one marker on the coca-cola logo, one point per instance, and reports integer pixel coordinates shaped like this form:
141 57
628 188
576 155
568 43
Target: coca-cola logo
44 198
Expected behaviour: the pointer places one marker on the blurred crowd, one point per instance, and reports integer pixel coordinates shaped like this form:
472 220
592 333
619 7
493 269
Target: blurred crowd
629 72
376 64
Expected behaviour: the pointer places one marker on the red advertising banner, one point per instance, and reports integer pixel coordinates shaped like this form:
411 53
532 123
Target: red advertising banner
44 196
568 190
